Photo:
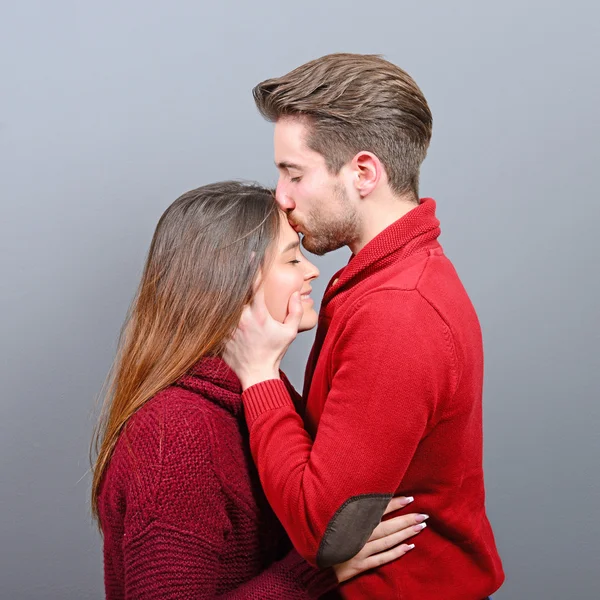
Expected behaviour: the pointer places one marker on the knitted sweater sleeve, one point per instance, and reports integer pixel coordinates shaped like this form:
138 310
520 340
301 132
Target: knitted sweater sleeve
166 563
388 370
175 550
294 395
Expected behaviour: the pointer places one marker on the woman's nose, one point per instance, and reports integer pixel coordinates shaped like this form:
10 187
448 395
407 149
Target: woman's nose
312 272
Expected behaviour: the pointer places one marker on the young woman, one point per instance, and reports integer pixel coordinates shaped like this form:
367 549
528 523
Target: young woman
175 490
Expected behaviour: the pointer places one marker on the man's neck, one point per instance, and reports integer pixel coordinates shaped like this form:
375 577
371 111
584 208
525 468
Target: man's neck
378 214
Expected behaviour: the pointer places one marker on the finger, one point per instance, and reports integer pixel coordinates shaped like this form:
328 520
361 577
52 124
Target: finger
245 318
258 299
258 281
391 540
396 524
295 311
397 503
257 309
377 560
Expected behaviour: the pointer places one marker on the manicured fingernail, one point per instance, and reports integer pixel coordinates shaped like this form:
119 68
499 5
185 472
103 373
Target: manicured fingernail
409 500
421 518
420 527
410 546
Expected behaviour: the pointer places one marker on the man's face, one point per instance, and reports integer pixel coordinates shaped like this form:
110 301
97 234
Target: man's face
318 204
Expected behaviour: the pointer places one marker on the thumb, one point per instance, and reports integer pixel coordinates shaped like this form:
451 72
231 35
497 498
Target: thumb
295 311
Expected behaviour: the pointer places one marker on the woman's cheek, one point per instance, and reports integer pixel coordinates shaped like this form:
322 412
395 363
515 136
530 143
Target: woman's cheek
273 303
277 291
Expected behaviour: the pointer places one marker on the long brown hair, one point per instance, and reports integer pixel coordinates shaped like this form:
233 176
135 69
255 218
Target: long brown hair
203 260
355 102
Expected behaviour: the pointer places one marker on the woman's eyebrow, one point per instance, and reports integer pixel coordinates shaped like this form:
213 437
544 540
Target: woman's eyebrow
291 245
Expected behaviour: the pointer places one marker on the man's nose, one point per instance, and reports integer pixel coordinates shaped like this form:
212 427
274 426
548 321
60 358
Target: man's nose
282 198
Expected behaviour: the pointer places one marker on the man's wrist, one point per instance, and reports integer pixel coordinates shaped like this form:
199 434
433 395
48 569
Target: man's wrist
250 379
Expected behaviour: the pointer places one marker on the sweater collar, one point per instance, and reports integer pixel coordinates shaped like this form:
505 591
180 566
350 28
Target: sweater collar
213 379
404 237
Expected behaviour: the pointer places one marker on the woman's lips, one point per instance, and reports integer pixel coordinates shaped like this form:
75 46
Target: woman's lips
305 296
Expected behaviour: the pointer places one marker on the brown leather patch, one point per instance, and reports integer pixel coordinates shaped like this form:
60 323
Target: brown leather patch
350 528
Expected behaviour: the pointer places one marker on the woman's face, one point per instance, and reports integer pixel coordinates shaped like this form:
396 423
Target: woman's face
288 272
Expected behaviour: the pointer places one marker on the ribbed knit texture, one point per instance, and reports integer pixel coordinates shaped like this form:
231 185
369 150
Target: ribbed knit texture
182 510
272 394
393 405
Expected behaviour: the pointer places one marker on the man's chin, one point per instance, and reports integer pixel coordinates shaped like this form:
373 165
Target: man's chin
319 248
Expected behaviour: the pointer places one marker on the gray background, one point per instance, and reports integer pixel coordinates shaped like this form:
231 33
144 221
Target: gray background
108 111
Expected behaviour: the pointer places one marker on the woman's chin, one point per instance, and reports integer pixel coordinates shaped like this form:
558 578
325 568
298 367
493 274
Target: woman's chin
308 321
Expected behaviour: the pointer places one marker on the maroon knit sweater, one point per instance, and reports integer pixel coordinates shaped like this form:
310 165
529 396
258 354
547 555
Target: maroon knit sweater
181 507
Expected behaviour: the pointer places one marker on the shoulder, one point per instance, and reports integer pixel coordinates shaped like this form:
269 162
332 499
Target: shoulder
413 292
167 432
172 424
395 327
391 306
166 457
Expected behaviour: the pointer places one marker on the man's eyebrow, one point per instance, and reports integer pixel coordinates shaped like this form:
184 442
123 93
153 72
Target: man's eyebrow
288 165
291 245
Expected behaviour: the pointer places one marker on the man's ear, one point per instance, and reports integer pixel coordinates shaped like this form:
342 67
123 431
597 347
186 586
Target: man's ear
368 171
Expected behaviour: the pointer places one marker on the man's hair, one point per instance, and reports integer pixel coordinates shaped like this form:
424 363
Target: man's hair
354 102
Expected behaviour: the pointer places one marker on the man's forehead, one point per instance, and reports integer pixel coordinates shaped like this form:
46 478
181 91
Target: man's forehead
291 152
290 135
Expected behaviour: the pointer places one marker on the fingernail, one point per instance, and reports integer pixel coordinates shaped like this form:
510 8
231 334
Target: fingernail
421 518
410 546
409 500
420 527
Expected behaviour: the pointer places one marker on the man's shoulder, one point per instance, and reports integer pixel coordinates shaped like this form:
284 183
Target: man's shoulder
431 274
425 284
417 273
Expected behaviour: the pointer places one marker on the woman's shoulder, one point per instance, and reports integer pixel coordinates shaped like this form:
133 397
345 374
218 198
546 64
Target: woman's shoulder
165 459
175 419
172 403
172 434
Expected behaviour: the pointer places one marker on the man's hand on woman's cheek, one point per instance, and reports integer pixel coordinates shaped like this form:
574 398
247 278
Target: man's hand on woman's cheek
259 343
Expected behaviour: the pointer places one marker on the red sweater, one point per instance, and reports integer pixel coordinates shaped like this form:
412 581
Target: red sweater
181 508
393 405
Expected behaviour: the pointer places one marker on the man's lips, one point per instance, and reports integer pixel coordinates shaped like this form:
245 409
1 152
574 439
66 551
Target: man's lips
294 226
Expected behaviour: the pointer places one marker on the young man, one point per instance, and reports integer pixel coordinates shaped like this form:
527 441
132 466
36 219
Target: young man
393 388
